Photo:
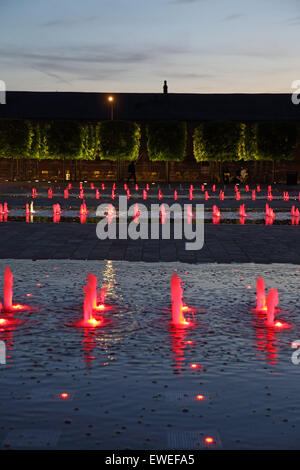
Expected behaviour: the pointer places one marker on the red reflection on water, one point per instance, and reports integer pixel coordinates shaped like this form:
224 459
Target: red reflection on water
265 342
195 366
178 344
6 335
89 344
82 218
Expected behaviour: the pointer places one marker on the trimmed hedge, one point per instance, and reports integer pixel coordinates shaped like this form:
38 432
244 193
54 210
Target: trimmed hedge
166 141
119 140
218 141
90 143
16 138
276 140
39 140
64 140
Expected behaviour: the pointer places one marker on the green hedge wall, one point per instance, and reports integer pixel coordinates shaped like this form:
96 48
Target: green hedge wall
64 140
16 138
218 141
39 140
276 140
166 141
90 141
119 140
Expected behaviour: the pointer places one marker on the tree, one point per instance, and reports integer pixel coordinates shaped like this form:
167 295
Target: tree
119 140
218 141
166 141
16 138
64 140
276 140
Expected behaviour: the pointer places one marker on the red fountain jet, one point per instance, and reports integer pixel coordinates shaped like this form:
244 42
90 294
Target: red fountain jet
260 295
90 302
272 302
178 318
242 211
8 292
216 211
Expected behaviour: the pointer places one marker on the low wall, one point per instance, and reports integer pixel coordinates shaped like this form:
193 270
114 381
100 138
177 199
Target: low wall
146 171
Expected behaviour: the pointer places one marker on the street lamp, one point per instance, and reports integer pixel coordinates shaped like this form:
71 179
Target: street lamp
111 101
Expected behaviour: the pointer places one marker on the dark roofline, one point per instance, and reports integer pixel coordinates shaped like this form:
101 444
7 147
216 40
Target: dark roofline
149 106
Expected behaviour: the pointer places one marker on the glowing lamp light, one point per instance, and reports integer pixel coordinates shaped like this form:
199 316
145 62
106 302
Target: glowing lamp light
94 322
18 307
110 99
100 307
3 321
209 440
195 366
64 396
28 295
200 397
281 325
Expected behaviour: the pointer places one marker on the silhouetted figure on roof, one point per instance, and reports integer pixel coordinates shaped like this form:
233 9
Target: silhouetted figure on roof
165 87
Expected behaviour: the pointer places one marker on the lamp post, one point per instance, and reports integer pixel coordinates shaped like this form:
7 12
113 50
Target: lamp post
111 102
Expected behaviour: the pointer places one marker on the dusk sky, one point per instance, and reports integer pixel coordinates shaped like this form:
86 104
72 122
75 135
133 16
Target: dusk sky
199 46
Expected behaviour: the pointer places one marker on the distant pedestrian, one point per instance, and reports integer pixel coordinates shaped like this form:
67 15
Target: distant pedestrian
131 172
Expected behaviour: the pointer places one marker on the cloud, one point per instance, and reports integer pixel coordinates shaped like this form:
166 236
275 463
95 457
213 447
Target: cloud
69 21
233 17
90 62
178 2
293 21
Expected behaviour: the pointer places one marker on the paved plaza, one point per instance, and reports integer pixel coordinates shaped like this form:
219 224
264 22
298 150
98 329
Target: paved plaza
224 243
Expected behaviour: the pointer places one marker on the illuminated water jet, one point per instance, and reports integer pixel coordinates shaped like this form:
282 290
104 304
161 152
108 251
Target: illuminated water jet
272 302
260 295
216 211
90 302
8 290
178 317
